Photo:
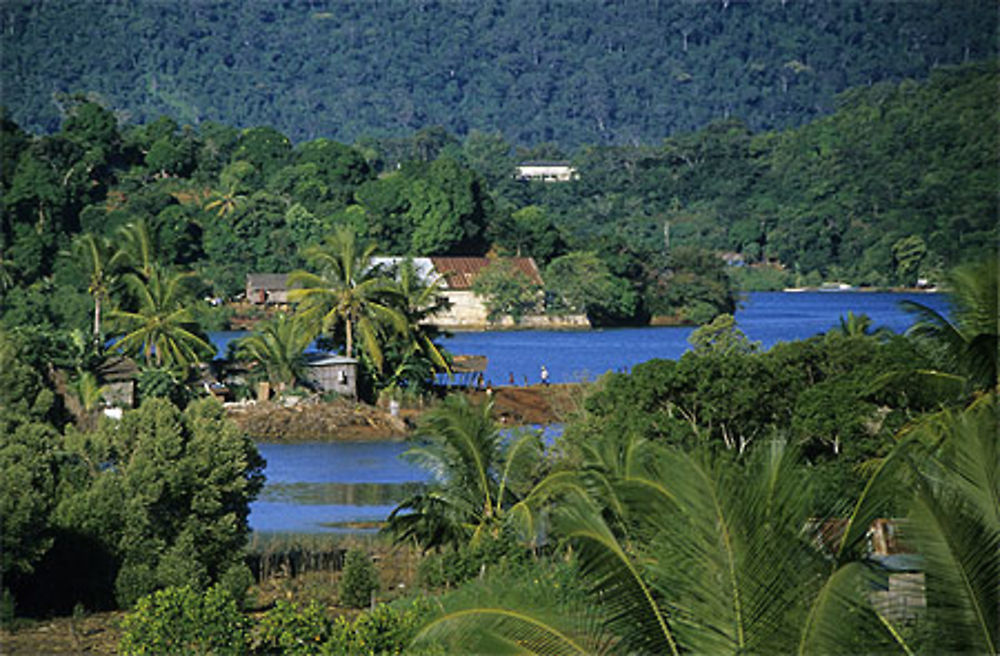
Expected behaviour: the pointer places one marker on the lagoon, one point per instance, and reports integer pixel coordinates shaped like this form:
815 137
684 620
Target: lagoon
326 487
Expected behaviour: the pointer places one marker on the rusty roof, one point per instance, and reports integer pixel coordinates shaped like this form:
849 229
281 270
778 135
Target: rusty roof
460 272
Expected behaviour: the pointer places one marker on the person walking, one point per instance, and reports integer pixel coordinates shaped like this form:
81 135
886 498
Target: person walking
545 375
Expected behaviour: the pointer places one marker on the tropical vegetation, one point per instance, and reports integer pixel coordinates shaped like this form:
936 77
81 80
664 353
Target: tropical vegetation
718 502
568 73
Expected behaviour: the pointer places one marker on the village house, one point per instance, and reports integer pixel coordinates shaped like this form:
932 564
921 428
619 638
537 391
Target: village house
333 373
467 310
267 288
546 171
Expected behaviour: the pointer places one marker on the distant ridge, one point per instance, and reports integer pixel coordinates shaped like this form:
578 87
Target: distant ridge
571 72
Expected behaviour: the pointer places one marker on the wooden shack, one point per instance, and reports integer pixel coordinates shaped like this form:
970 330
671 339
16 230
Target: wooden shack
119 375
333 373
267 288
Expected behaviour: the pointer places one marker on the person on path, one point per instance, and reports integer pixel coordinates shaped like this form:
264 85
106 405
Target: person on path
545 375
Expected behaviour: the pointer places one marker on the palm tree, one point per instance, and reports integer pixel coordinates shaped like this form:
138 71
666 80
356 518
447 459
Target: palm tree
225 202
278 344
162 328
954 522
416 358
135 251
859 325
477 475
421 300
967 344
347 291
95 254
686 552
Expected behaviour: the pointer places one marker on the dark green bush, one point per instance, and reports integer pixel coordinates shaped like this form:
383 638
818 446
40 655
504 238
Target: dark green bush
359 580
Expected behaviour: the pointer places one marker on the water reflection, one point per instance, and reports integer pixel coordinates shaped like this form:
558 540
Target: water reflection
342 494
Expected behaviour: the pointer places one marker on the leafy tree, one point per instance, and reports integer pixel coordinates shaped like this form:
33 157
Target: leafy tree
265 148
722 337
529 233
359 580
505 290
28 464
582 282
448 209
165 493
907 253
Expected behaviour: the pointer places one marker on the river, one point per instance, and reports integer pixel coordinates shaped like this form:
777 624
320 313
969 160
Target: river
329 486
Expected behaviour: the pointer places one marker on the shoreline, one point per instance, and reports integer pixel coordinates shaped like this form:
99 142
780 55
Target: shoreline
350 421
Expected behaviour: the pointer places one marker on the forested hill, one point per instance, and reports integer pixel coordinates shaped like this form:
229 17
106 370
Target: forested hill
570 72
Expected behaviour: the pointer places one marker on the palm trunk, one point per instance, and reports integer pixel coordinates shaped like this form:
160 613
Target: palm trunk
97 320
350 337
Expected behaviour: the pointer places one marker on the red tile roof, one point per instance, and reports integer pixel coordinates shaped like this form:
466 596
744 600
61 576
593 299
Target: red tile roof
460 272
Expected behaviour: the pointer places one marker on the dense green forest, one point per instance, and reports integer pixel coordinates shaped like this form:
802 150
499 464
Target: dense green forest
569 72
898 184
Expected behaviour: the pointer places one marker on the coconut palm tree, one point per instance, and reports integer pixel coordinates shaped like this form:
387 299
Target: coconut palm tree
227 202
966 344
161 329
954 523
135 250
95 254
347 291
683 552
477 475
420 300
279 344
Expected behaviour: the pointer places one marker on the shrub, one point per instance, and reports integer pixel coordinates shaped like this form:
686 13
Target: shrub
450 568
359 579
183 621
292 629
388 629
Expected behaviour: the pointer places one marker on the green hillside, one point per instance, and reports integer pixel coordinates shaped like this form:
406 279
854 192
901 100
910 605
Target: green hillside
572 71
900 183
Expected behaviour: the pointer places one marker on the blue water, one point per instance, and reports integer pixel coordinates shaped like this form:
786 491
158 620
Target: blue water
323 463
768 317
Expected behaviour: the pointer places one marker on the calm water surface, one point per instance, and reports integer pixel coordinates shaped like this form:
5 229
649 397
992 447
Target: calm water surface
313 487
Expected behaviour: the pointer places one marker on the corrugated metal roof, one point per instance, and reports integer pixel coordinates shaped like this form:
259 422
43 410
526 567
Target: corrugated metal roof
267 280
327 359
461 272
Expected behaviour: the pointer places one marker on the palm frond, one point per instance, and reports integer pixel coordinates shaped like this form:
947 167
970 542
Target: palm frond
841 620
514 617
615 578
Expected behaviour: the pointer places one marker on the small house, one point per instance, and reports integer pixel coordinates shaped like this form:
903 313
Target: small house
333 373
267 288
119 375
546 171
